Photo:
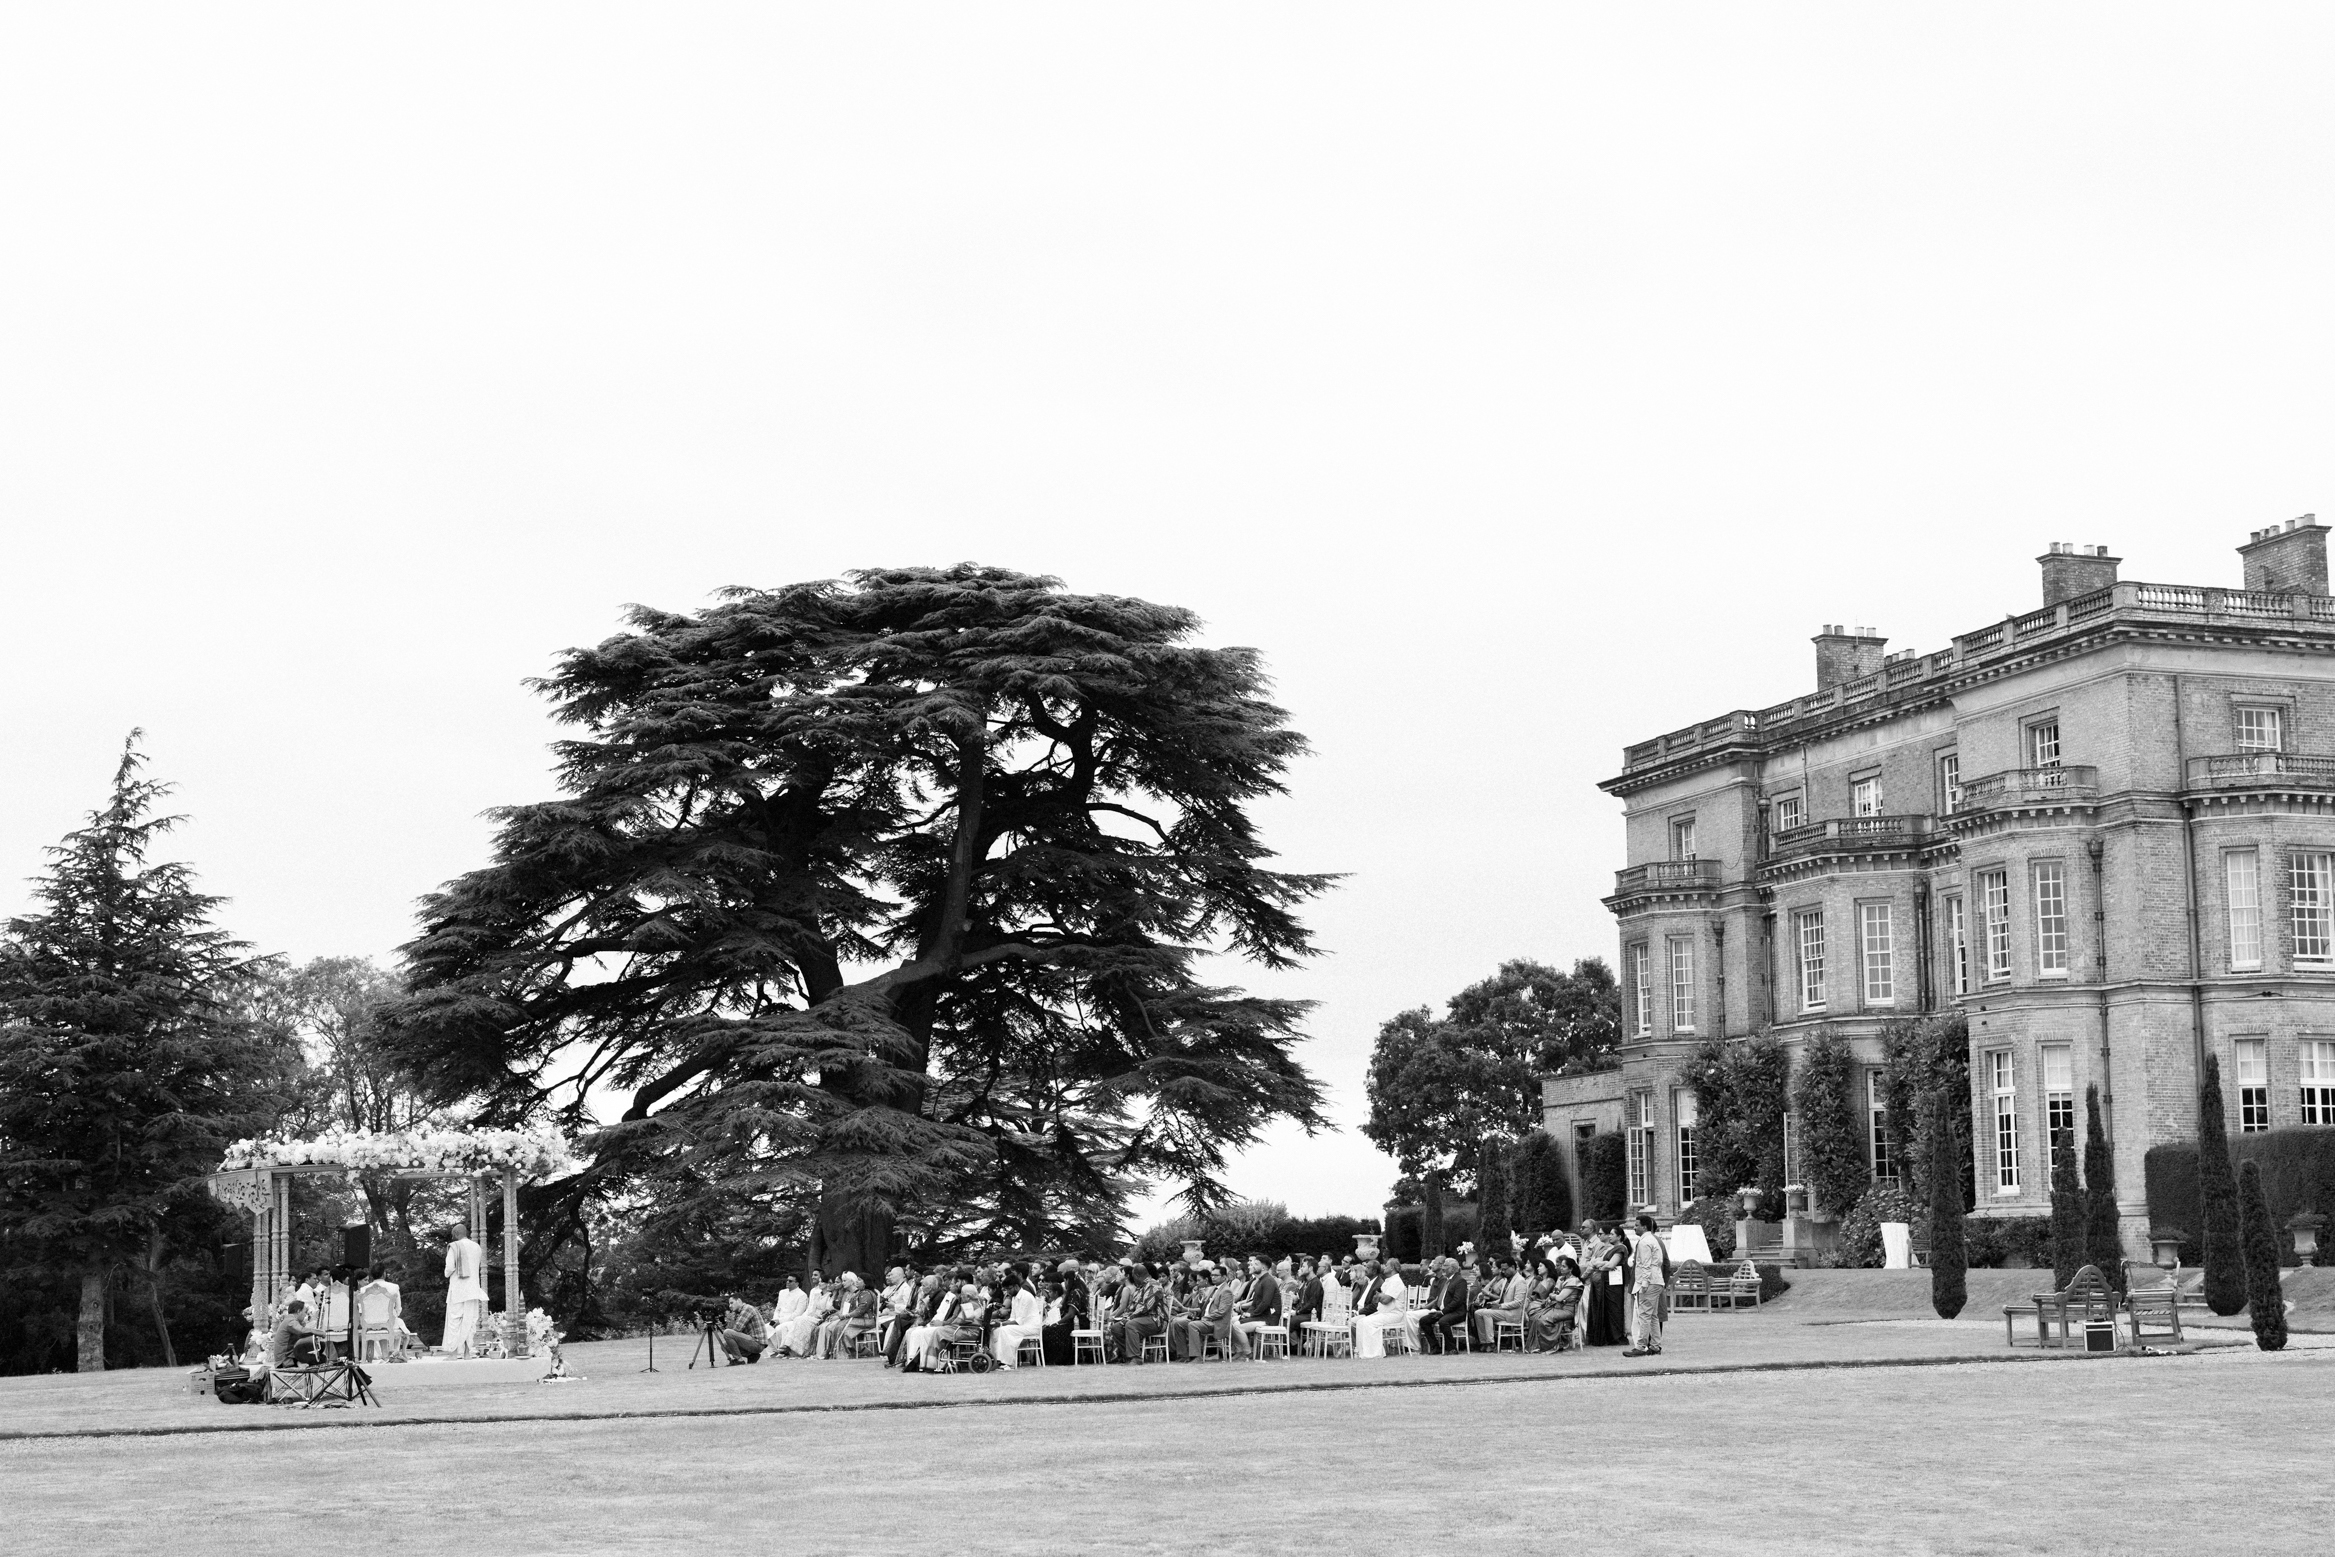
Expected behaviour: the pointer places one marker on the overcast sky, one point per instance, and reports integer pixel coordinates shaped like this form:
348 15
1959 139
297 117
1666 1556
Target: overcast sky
1522 381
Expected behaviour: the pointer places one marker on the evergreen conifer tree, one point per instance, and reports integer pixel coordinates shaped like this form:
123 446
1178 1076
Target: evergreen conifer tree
2067 1211
1554 1189
1431 1218
2217 1200
890 902
1492 1198
1949 1255
2265 1299
2103 1241
127 1065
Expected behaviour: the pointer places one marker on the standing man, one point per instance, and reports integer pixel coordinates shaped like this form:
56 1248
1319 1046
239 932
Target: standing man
1650 1259
465 1290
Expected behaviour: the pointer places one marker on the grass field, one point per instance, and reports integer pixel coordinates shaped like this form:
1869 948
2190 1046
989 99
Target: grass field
2221 1451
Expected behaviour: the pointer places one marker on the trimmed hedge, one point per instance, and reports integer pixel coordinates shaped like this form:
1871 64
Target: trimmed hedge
1993 1242
2297 1164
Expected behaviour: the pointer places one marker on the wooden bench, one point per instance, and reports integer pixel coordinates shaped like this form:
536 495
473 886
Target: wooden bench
1743 1286
2154 1311
1690 1289
2085 1298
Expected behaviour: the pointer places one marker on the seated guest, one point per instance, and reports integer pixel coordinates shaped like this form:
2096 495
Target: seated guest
1068 1312
896 1308
1025 1320
931 1293
1137 1314
918 1343
379 1302
1308 1305
1259 1307
295 1343
1209 1315
1385 1306
854 1317
956 1324
1550 1313
1443 1312
1337 1294
794 1337
1506 1303
743 1333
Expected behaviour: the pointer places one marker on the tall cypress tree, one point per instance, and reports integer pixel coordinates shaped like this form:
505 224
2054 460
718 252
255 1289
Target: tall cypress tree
2217 1199
2067 1211
2265 1299
126 1063
1492 1226
1949 1255
2103 1243
1555 1191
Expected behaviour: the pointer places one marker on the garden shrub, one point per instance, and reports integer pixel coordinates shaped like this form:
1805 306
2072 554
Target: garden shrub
1926 1058
1605 1176
1716 1217
1885 1200
1431 1219
1493 1217
1402 1232
2265 1302
1742 1090
1992 1242
1831 1128
1542 1195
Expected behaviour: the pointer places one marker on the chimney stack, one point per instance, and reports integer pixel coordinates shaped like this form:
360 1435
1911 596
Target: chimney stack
2069 571
1842 655
2288 559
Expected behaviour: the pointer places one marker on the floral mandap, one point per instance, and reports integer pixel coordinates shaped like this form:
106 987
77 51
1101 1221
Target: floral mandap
255 1177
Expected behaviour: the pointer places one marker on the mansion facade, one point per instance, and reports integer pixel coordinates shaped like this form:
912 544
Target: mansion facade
2104 830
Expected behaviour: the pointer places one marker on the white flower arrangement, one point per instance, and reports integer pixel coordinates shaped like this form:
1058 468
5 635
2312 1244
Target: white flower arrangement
536 1153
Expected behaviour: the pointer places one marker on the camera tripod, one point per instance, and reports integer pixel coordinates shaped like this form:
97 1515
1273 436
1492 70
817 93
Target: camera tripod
709 1342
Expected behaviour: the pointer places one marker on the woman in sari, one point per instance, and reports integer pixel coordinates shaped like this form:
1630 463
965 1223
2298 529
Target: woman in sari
1066 1313
1609 1290
1550 1313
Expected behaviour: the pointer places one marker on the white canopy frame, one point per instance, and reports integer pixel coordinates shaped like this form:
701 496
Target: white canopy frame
264 1193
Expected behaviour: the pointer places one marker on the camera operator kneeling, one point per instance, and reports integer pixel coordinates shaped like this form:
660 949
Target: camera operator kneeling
294 1343
743 1332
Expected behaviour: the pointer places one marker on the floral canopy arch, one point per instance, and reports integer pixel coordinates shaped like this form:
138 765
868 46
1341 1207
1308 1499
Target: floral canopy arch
255 1177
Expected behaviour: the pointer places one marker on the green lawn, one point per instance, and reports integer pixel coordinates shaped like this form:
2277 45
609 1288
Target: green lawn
2217 1452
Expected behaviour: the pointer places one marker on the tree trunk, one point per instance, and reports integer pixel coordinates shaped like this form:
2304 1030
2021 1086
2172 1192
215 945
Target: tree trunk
851 1239
92 1326
154 1296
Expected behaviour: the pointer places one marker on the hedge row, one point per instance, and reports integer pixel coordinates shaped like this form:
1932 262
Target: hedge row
2298 1174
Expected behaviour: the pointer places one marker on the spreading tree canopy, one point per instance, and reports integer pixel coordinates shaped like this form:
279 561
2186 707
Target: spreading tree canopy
128 1060
887 899
1440 1085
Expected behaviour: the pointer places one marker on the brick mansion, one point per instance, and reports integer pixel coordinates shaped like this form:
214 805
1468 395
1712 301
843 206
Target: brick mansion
2104 830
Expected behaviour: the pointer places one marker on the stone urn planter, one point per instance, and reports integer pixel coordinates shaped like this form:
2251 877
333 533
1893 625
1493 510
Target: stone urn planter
1192 1251
2165 1247
2306 1227
1366 1246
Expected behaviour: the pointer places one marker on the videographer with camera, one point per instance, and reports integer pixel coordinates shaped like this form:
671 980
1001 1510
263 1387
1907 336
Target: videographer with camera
743 1334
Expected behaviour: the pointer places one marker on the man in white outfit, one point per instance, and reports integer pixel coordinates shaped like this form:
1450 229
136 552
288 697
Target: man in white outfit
465 1291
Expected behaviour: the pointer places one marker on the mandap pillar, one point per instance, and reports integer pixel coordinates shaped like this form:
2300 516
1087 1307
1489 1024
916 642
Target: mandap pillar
514 1302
